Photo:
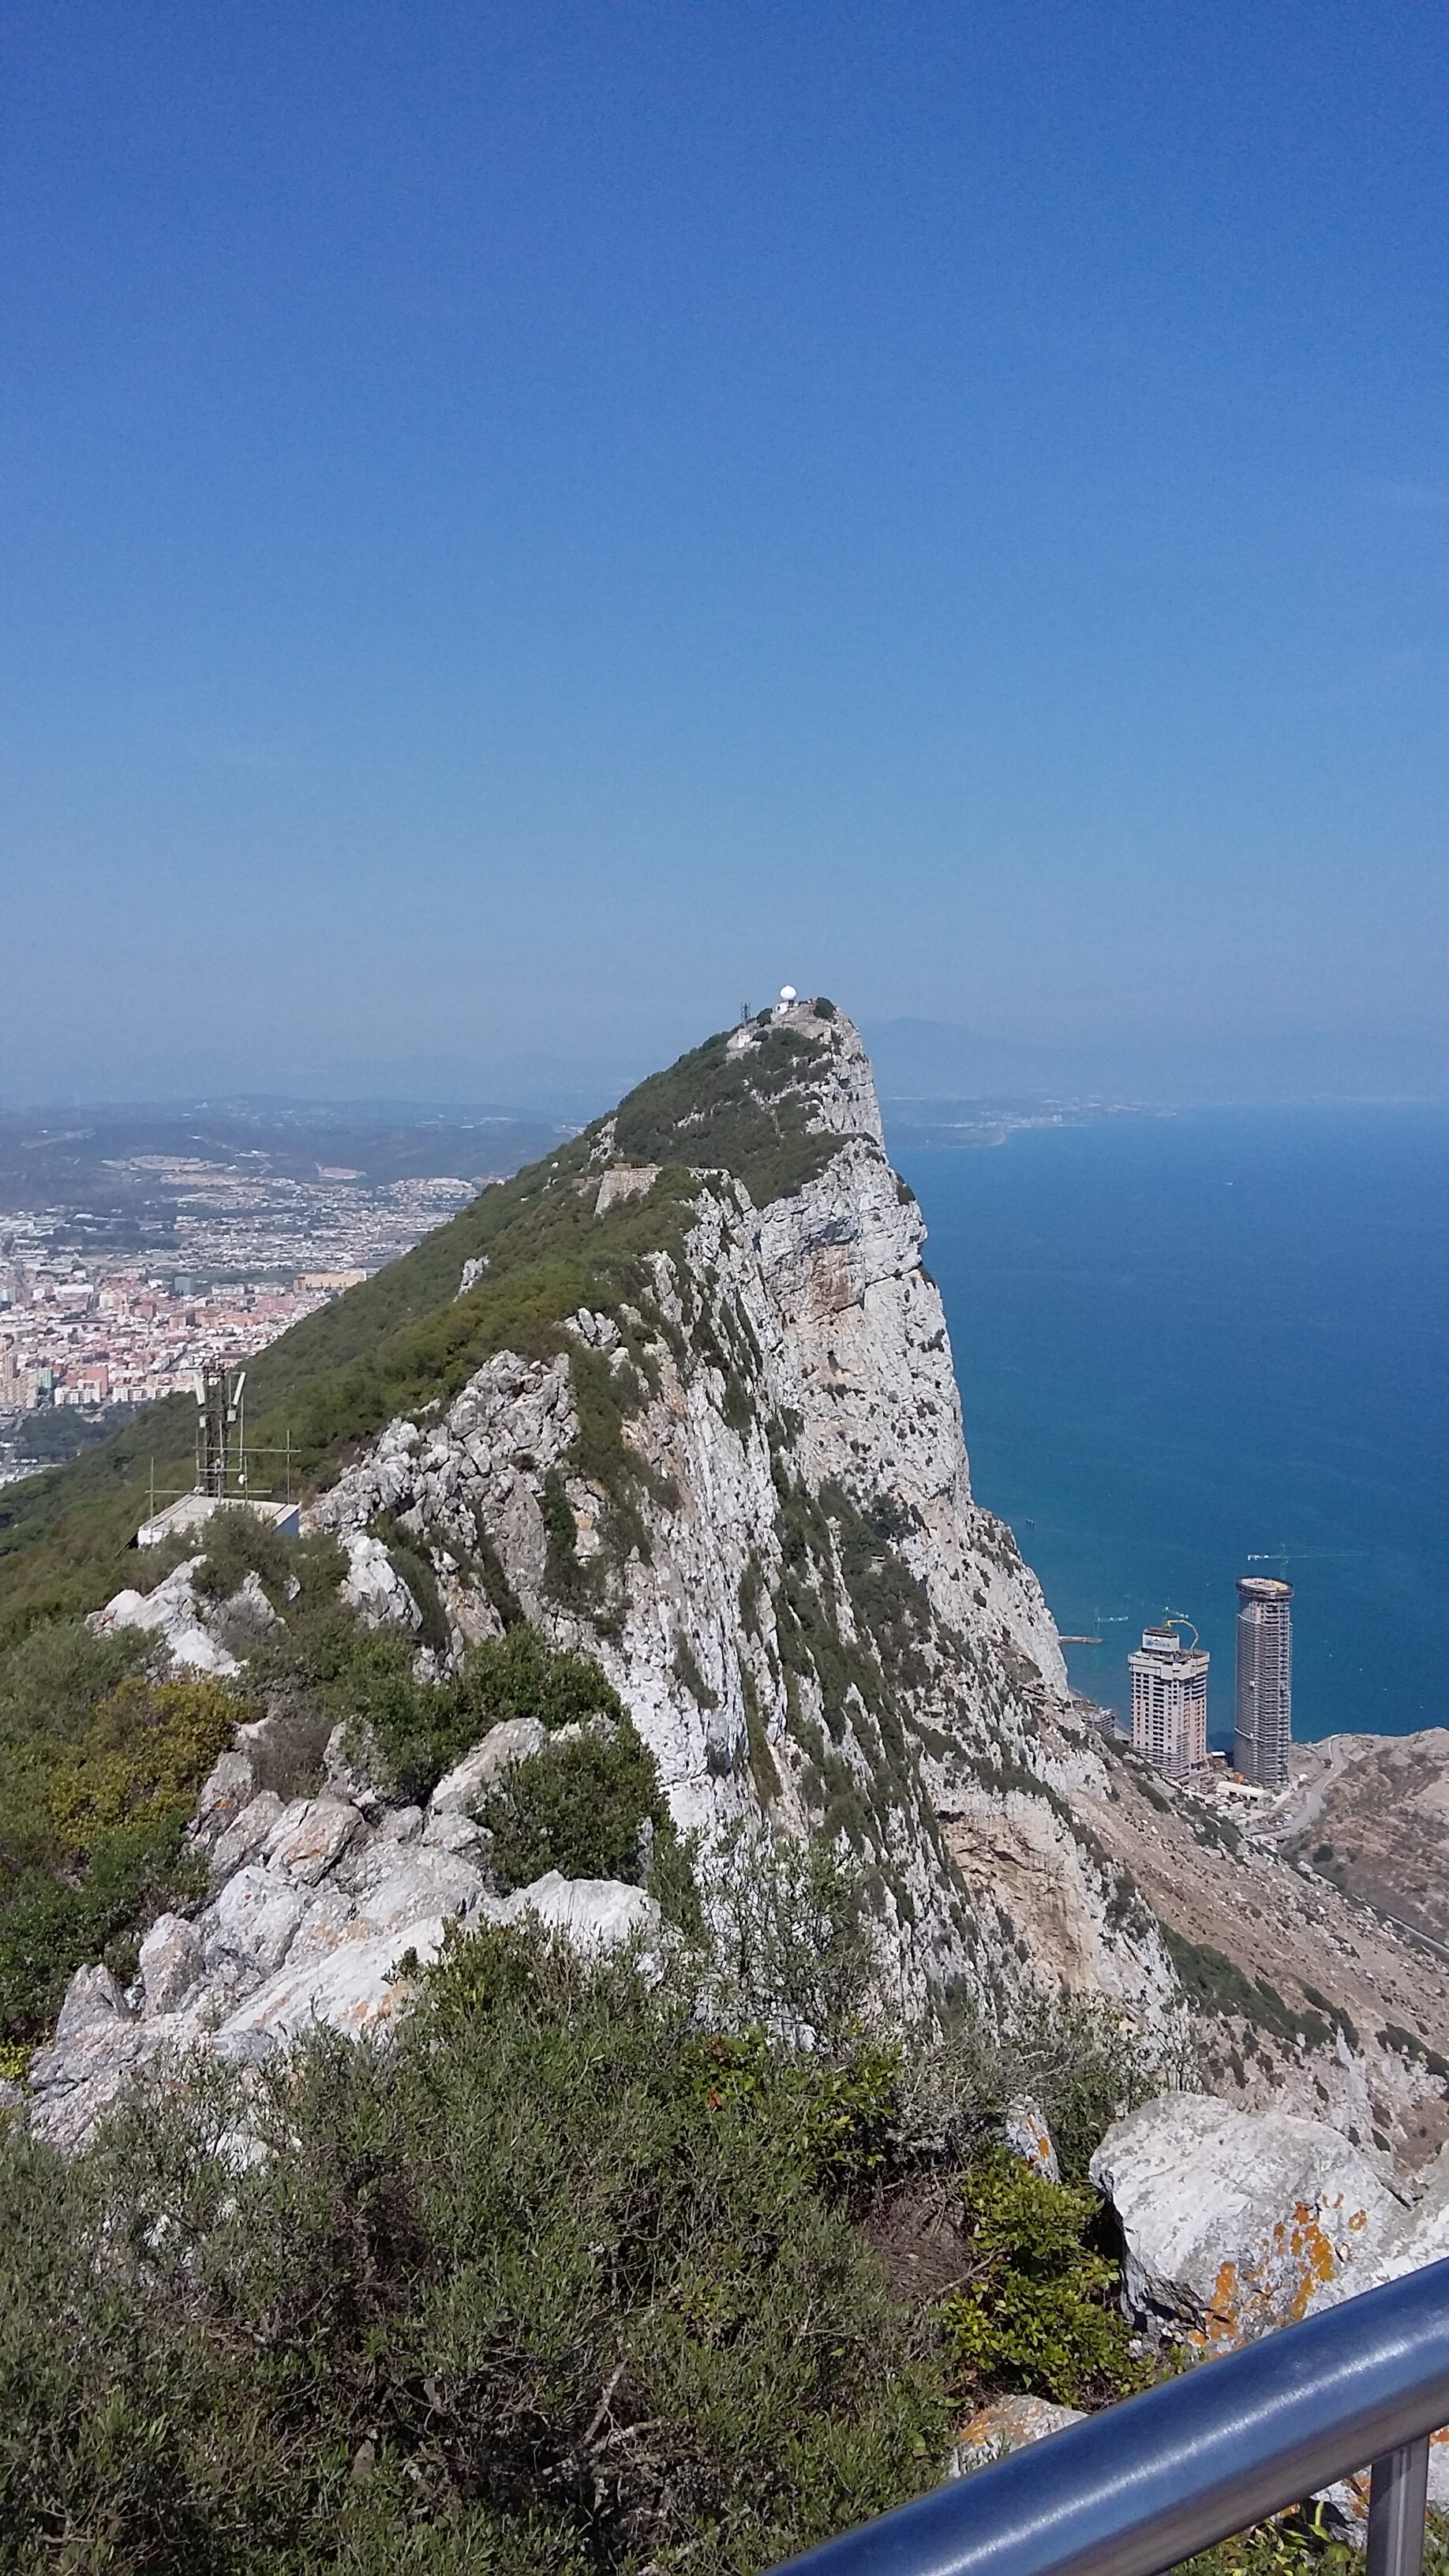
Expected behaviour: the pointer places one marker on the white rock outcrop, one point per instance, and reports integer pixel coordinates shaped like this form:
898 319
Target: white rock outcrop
1235 2221
173 1616
471 1779
312 1916
378 1594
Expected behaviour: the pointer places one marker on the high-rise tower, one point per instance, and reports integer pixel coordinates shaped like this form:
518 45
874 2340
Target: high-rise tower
1263 1729
1169 1701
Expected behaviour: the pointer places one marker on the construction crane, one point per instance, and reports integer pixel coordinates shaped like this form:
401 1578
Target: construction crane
1279 1556
1179 1619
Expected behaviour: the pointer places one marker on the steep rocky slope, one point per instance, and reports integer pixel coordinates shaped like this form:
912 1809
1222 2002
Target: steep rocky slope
1370 1813
740 1481
1307 2000
681 1397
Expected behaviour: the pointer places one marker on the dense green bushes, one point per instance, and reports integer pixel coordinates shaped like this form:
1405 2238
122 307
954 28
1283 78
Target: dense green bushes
422 1728
521 2292
1038 2308
592 1808
99 1769
571 2273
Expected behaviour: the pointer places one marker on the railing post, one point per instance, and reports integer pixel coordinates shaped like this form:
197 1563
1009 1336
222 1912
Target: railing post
1398 2500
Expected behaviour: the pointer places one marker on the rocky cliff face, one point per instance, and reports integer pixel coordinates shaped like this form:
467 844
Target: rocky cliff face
689 1407
805 1612
735 1476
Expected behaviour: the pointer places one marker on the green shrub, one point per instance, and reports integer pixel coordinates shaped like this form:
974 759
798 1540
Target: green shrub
1216 1984
840 2112
685 1667
145 1755
50 1926
240 1542
425 1727
792 1949
326 1661
1037 2311
99 1770
590 1809
508 2293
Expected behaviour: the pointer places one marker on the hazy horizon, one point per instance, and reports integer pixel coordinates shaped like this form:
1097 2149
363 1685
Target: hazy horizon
914 1060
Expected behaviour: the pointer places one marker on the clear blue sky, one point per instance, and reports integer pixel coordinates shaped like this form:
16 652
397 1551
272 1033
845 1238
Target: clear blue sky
523 526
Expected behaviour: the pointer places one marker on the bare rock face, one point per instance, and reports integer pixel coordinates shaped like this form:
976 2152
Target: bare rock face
315 1921
1369 1813
93 2001
1239 2222
792 1423
244 1838
172 1614
372 1588
173 1960
310 1835
1235 2222
593 1913
469 1780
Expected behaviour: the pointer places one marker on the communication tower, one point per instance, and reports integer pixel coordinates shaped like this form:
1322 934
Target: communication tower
220 1430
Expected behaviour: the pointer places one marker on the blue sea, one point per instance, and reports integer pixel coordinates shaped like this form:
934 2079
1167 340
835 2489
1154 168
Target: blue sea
1187 1343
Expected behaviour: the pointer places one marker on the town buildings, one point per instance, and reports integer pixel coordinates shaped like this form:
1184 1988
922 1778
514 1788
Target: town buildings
85 1330
124 1338
1169 1701
1263 1726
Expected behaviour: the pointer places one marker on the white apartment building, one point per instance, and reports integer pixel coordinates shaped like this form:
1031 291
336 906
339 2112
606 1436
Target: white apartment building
1169 1701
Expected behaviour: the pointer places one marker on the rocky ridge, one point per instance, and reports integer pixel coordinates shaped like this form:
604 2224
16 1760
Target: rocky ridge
807 1614
319 1907
741 1486
735 1475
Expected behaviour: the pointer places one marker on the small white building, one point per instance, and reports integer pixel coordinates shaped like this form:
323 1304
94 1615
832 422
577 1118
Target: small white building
190 1512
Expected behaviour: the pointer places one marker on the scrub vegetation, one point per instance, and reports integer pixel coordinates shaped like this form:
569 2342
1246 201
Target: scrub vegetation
404 1339
579 2268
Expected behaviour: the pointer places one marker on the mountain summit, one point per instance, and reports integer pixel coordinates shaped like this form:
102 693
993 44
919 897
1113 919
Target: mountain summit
729 1464
647 1467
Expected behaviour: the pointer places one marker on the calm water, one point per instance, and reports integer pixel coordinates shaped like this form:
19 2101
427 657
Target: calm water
1186 1342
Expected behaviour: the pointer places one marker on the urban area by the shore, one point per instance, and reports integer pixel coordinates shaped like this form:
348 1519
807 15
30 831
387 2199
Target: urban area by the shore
87 1330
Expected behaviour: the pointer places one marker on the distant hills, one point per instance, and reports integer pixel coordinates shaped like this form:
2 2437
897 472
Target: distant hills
936 1060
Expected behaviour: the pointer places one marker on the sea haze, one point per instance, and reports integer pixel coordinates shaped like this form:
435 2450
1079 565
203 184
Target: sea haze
1185 1341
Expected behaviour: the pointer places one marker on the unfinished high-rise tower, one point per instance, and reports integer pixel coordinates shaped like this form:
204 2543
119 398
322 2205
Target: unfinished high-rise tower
1263 1728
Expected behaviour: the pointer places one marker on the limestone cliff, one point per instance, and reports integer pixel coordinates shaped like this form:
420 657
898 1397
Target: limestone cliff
742 1484
683 1398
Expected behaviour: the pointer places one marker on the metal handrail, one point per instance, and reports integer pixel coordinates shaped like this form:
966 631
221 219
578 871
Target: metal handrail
1145 2484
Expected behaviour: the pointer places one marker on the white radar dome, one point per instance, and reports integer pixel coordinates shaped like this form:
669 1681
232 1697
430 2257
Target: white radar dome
787 992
